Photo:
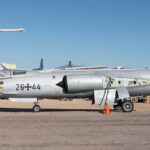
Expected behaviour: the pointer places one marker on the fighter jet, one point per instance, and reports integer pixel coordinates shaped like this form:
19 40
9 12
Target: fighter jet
12 30
101 86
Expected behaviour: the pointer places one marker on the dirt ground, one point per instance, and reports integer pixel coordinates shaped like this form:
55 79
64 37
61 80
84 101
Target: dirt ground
75 125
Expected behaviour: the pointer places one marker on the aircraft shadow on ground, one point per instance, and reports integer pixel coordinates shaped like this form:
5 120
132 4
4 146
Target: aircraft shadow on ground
51 110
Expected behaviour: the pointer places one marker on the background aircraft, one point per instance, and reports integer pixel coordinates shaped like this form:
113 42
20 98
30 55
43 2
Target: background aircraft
9 72
12 30
71 66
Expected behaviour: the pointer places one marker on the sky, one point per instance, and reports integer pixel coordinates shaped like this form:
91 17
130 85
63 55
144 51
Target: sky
88 32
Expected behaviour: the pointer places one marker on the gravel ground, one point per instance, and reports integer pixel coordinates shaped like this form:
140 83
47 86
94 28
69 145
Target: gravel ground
75 125
74 130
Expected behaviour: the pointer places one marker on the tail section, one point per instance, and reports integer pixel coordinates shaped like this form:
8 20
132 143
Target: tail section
41 65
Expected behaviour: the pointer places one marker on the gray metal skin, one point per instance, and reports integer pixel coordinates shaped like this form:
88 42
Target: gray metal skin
2 74
48 83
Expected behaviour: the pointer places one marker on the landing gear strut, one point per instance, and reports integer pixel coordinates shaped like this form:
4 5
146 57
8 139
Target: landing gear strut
36 108
117 107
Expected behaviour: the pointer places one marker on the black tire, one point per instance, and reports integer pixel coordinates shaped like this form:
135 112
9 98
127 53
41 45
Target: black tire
127 106
36 108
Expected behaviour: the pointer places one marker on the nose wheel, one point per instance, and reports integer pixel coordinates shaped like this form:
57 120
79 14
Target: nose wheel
36 108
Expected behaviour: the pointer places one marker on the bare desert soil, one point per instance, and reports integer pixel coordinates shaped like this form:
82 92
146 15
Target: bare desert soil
72 125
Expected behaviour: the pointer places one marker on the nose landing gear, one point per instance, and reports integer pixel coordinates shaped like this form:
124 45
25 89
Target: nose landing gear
36 108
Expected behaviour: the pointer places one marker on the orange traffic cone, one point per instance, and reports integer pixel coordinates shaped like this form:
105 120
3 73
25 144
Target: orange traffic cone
107 112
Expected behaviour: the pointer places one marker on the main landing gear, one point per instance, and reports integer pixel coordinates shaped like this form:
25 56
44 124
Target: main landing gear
36 108
125 106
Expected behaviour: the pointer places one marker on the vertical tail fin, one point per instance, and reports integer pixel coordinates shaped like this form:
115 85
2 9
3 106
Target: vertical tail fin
41 65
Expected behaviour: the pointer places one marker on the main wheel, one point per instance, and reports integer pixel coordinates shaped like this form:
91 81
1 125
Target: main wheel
127 106
36 108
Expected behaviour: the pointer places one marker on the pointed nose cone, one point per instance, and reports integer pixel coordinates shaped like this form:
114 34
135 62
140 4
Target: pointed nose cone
61 84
